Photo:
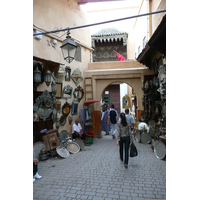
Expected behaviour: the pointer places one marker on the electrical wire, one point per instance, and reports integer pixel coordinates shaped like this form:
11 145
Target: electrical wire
99 23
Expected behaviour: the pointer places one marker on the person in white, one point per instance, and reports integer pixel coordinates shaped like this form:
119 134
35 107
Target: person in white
77 130
113 115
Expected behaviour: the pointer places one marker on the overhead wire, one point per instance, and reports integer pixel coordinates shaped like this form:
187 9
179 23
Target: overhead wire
99 23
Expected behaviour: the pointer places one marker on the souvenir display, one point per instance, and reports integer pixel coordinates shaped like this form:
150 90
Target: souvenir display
77 76
44 105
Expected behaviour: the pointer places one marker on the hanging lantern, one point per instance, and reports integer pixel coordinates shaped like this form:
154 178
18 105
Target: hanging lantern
53 87
70 118
68 73
58 105
57 123
68 48
47 77
37 75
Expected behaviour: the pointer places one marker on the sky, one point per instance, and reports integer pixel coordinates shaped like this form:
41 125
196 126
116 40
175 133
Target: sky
95 17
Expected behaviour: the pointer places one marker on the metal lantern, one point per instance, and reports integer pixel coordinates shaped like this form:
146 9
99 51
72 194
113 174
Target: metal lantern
68 73
57 123
58 105
68 48
37 75
53 87
47 77
70 118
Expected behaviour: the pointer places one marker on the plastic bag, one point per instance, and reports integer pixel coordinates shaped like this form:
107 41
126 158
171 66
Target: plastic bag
133 150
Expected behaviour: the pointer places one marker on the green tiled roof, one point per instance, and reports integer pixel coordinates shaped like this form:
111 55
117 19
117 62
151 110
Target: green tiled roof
108 32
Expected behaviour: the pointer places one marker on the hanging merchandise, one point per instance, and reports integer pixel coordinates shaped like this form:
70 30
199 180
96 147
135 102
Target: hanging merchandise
81 114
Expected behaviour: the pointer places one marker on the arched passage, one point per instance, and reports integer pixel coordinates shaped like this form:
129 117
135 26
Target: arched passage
101 78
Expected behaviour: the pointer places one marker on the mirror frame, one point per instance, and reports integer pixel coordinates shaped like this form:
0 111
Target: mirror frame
78 93
66 105
62 120
126 101
44 111
77 76
65 94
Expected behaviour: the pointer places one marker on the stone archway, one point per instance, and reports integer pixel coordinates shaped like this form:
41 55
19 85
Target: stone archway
100 78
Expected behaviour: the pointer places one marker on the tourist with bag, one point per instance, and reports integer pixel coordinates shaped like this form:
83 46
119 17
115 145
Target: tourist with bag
124 136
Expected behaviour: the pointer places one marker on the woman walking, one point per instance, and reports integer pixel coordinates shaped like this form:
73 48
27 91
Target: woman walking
124 136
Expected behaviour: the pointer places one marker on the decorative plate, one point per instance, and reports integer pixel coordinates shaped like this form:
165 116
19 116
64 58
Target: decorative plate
160 150
63 134
80 143
63 152
145 138
62 120
73 147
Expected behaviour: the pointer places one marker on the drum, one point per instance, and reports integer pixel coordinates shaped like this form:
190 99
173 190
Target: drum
160 150
145 138
73 147
62 151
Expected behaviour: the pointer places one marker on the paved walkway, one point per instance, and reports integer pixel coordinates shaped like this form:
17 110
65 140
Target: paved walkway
97 173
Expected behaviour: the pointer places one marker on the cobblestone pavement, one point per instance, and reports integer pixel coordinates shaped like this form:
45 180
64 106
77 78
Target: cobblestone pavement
97 173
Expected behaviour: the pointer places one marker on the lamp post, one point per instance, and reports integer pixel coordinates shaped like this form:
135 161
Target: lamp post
68 48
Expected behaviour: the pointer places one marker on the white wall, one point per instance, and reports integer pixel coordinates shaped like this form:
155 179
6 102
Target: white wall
142 28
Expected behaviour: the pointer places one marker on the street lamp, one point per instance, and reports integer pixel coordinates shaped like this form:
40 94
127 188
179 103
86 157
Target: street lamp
68 48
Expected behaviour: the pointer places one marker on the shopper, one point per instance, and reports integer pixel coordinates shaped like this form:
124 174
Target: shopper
35 166
113 121
124 136
77 130
130 119
105 126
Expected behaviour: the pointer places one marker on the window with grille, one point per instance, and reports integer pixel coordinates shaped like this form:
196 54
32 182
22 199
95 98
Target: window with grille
77 56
